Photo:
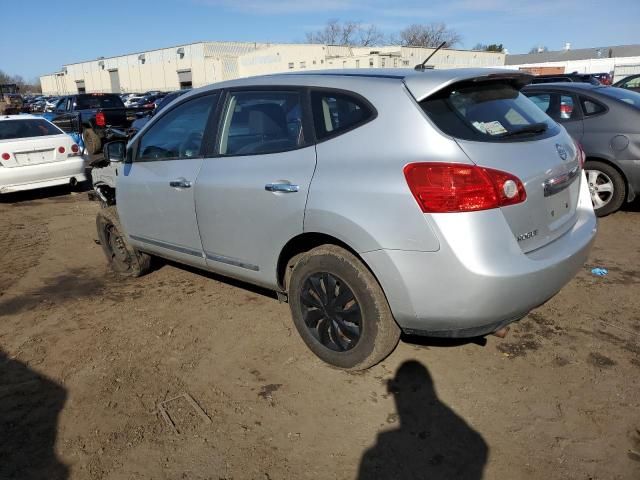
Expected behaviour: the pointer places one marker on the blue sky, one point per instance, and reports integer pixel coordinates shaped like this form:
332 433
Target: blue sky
41 36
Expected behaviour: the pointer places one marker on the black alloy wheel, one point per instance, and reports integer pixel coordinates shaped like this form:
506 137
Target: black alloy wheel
331 312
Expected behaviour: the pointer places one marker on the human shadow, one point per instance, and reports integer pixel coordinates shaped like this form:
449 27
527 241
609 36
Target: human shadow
29 407
431 443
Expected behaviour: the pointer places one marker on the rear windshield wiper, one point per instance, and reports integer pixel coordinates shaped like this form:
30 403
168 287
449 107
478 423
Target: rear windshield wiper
533 128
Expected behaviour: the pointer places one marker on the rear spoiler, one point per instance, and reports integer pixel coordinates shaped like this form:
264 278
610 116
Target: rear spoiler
422 87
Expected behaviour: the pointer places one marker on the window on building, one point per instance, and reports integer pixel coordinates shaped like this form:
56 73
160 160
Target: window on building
262 122
371 62
303 64
344 64
321 62
291 65
357 63
314 62
395 62
337 112
405 63
383 62
178 134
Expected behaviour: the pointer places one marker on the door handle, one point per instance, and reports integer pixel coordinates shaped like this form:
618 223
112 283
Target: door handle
281 187
180 183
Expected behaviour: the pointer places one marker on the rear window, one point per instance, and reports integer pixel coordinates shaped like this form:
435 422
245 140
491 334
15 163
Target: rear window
489 112
626 96
28 128
99 101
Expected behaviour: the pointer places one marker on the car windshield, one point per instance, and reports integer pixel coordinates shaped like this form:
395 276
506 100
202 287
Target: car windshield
490 112
627 96
99 101
28 128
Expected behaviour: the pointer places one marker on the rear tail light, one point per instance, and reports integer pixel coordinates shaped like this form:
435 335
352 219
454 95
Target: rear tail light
6 156
100 120
75 148
61 150
448 187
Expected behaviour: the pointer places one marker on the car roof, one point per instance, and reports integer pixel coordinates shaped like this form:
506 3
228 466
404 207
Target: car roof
421 83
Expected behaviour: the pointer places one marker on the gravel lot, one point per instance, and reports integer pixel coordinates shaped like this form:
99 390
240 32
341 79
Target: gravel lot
86 359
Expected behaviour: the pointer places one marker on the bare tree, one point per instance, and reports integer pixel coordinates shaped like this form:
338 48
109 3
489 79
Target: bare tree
349 33
370 36
429 35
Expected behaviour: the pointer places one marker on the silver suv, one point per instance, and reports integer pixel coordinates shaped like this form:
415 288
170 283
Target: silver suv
440 203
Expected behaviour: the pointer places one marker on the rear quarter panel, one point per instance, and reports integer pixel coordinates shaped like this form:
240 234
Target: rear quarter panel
359 193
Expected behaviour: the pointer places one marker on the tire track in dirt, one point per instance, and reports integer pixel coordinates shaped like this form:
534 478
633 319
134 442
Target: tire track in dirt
23 240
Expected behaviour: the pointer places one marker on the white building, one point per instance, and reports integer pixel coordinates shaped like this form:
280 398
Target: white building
198 64
621 60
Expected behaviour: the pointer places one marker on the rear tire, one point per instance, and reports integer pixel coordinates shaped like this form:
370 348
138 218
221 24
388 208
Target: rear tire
602 175
123 258
340 310
92 142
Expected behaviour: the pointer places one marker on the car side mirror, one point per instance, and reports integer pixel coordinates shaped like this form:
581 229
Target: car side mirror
115 151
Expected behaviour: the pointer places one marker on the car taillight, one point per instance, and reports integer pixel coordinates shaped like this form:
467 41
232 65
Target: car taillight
6 156
75 148
61 149
449 187
100 120
149 105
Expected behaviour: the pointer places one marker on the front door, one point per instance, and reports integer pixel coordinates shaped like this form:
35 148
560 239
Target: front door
251 196
155 191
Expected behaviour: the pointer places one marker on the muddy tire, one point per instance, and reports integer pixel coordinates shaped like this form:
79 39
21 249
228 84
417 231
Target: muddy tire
92 142
124 259
607 187
340 310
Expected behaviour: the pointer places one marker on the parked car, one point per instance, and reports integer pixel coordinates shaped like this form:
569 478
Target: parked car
96 111
50 104
34 153
603 78
436 202
632 82
132 100
567 77
606 121
160 103
10 100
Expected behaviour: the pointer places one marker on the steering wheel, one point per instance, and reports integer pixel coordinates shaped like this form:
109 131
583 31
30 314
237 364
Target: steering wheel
191 145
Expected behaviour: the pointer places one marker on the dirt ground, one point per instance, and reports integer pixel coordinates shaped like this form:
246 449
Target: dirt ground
86 359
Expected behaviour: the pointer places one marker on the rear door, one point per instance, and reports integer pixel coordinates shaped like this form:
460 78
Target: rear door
155 192
485 119
251 196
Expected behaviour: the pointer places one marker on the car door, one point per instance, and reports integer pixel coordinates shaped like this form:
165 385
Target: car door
251 195
562 107
155 189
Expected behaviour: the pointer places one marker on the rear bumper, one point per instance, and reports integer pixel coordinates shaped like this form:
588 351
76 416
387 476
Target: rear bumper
479 280
39 176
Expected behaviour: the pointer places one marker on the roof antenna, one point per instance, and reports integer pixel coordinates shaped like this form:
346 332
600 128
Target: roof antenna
423 66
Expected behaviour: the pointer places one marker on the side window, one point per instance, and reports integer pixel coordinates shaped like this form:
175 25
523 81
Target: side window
567 108
257 123
179 133
633 83
61 106
334 113
589 107
541 100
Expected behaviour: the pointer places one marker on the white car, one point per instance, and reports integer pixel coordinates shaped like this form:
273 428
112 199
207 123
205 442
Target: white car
34 153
